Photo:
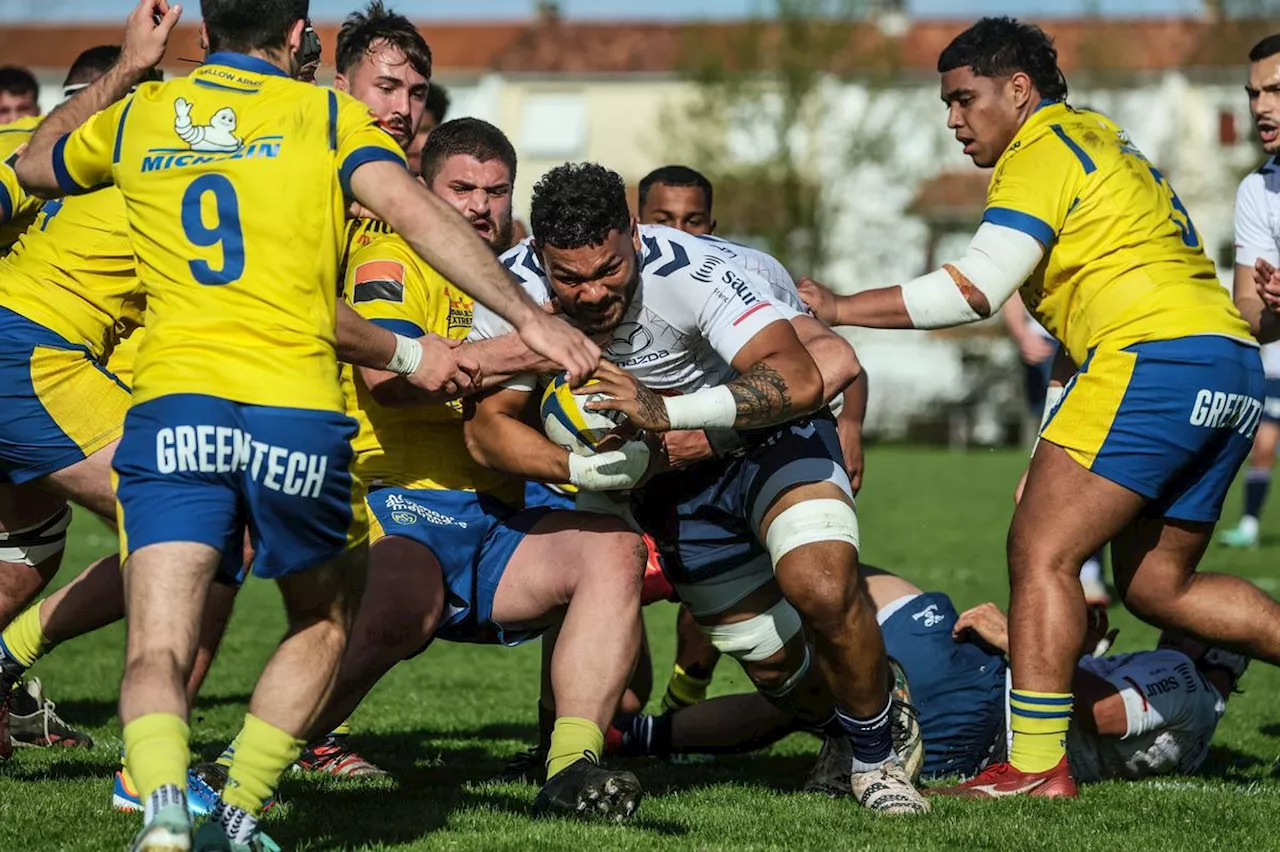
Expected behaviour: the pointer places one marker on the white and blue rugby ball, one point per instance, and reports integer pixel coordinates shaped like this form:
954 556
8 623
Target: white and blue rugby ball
567 423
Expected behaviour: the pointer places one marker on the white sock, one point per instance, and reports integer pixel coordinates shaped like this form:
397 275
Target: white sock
1248 525
236 823
163 798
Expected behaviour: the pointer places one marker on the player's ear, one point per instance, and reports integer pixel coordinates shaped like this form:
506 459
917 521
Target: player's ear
1021 87
340 82
635 233
204 38
294 39
712 228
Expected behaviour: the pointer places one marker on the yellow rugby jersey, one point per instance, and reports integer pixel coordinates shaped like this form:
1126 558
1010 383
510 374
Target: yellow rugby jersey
235 180
17 208
73 271
120 363
1123 262
413 446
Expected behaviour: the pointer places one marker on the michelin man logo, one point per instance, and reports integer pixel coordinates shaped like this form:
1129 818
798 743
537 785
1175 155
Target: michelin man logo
216 137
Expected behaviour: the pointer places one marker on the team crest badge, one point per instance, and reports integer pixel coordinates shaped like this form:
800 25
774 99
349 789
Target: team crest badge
404 518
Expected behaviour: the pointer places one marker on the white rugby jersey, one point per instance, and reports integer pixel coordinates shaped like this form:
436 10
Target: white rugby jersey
1258 233
700 300
1172 712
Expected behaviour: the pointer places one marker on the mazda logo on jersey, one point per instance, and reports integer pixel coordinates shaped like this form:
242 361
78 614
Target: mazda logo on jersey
629 338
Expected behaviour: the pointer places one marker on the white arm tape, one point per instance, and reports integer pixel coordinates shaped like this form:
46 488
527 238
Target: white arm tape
709 408
997 262
836 404
407 357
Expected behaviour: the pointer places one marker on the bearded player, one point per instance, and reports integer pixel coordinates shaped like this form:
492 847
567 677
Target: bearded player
745 537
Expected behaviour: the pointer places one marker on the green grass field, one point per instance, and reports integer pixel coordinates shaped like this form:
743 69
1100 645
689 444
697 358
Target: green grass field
446 721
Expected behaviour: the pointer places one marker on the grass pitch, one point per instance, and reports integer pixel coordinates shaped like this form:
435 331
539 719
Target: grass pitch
445 722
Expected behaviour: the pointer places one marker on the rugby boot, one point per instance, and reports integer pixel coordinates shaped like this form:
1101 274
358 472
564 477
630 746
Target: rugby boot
1001 780
526 767
34 724
170 831
211 838
587 790
887 790
334 756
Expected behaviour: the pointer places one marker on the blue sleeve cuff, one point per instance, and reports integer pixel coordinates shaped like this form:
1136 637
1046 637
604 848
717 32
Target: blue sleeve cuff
1024 222
6 205
66 182
360 156
399 326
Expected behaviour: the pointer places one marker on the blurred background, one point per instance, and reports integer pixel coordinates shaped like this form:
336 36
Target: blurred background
819 123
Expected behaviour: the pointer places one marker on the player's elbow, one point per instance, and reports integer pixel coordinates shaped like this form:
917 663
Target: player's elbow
475 434
806 386
36 180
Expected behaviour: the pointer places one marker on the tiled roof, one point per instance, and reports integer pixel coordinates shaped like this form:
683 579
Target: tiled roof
571 47
952 195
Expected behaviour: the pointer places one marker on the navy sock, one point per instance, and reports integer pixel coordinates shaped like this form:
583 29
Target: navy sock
1256 483
871 738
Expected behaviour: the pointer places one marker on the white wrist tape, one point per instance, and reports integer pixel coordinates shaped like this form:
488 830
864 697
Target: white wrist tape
407 357
836 405
709 408
998 261
616 470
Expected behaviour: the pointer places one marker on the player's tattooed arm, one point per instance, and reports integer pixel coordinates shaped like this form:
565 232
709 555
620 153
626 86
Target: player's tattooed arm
761 395
145 38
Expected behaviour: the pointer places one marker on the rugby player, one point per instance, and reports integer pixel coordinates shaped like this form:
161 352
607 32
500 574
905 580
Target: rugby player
1140 447
1141 714
452 555
682 314
19 95
682 198
95 598
1257 230
207 289
437 110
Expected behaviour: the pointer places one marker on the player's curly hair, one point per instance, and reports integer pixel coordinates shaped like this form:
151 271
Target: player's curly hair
247 25
998 47
578 204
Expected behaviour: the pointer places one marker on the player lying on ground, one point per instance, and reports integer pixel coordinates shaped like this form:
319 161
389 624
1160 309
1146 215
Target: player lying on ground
1139 714
1140 448
758 542
268 383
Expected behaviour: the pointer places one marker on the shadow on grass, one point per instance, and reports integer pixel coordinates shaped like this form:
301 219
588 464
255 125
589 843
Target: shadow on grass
1271 730
432 778
1224 763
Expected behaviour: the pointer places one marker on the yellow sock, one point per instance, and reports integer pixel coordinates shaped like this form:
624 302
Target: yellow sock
570 740
228 753
342 730
1039 721
157 752
23 641
684 690
263 752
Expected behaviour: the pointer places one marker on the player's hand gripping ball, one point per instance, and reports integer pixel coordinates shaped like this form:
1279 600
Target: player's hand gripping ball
567 423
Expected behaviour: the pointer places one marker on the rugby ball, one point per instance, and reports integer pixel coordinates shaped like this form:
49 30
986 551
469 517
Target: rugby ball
567 423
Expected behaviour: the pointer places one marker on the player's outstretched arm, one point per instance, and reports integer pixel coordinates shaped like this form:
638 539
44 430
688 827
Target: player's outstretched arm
1250 292
442 238
498 438
998 261
143 48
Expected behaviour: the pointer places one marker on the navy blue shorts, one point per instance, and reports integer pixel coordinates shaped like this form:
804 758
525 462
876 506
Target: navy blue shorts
958 688
705 519
539 495
472 536
198 468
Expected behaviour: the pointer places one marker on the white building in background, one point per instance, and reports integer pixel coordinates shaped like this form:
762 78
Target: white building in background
614 93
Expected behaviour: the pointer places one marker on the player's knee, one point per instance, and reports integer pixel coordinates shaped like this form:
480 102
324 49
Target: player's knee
759 641
615 555
825 592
